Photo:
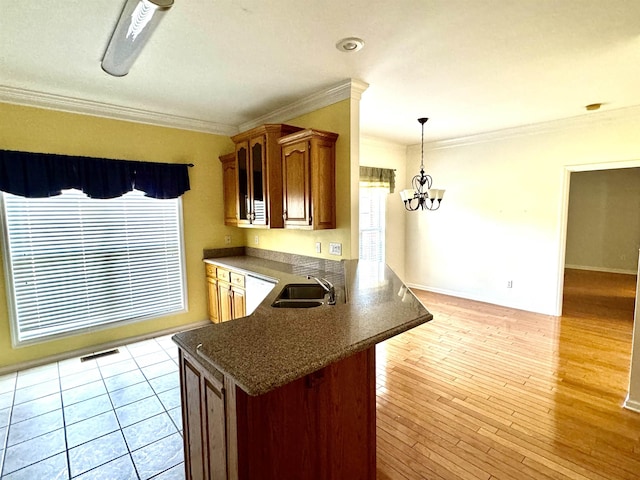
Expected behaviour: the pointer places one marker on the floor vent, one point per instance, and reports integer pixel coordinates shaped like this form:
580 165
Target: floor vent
93 356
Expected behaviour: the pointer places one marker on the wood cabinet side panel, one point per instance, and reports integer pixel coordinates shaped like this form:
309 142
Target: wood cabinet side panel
351 422
232 418
323 174
277 434
319 427
194 441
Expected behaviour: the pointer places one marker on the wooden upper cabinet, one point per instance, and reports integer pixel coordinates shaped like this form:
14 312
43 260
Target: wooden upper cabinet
259 176
229 189
309 179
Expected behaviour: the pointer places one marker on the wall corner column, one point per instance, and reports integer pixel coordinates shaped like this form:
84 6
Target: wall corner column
632 401
357 89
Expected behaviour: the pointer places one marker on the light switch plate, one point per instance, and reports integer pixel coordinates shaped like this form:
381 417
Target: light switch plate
318 247
335 248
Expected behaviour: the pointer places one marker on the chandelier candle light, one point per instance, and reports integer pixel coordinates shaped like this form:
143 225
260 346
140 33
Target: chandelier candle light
422 195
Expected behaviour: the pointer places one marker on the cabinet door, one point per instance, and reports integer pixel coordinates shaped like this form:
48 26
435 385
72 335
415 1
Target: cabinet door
194 442
212 293
229 190
323 184
243 205
296 193
238 302
225 296
204 422
216 430
259 194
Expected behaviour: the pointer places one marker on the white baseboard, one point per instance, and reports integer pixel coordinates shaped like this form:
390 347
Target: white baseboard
98 348
477 298
632 405
602 269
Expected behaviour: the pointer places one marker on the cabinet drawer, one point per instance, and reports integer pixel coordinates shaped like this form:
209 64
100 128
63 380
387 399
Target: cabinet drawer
210 270
237 279
224 274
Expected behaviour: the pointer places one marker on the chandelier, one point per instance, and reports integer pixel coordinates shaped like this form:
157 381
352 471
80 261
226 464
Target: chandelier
422 195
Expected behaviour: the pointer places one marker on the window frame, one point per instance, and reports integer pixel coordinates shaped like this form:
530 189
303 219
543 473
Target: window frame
10 290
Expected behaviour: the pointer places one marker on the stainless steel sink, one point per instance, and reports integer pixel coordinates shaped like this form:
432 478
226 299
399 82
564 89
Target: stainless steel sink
284 303
300 295
302 291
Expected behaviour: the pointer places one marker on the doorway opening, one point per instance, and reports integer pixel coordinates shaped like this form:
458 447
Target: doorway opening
598 273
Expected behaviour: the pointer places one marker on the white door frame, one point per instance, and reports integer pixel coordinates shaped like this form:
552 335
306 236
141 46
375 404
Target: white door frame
632 401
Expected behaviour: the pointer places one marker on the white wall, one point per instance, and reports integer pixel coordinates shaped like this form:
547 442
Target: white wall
504 212
383 154
603 229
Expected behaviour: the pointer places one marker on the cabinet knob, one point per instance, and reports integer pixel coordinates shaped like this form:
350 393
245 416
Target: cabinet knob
284 215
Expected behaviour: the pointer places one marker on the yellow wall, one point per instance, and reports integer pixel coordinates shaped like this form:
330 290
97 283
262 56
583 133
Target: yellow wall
38 130
334 118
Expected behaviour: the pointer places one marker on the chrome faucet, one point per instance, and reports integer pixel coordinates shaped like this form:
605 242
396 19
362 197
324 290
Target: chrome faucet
328 287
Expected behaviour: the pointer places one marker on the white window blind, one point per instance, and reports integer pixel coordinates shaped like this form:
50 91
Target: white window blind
76 263
372 223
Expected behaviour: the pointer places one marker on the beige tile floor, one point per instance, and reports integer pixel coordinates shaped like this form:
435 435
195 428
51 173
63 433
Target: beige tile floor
116 417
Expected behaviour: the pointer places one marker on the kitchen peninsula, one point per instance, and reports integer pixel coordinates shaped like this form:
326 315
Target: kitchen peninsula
289 393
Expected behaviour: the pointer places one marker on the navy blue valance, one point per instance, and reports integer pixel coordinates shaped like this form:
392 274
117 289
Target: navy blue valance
37 175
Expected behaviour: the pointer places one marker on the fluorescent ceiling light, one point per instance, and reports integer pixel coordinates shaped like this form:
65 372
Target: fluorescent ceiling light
138 20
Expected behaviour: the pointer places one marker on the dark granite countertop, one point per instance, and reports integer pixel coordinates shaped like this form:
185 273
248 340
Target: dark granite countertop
274 346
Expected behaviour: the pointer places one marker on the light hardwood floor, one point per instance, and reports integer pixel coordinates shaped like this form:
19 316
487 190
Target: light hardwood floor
487 392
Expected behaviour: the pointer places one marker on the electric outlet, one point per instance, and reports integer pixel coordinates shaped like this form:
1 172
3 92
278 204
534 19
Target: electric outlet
227 239
318 247
509 283
335 248
256 240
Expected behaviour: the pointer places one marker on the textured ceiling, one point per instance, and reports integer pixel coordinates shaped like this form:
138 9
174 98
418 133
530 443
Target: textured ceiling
470 65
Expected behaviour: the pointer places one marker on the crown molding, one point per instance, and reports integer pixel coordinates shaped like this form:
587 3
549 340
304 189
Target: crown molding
551 126
351 88
31 98
348 89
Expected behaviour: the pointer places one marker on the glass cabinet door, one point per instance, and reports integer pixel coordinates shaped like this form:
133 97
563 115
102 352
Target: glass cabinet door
259 184
242 158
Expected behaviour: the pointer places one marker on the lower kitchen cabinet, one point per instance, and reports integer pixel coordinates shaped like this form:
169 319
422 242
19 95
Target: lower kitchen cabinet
204 422
212 295
226 293
319 427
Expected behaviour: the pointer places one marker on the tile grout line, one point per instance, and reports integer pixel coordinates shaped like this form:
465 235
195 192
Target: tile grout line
2 475
163 406
165 411
64 423
5 441
113 409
